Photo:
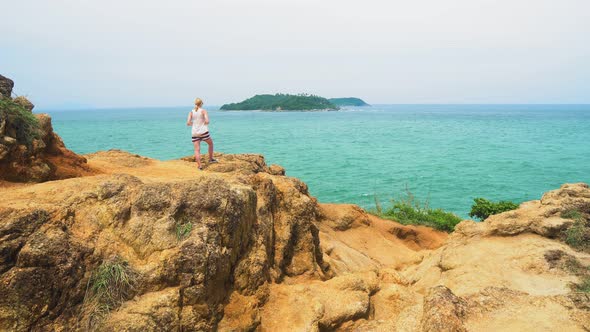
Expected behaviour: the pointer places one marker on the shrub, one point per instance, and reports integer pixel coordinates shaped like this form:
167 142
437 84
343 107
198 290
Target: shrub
484 208
409 211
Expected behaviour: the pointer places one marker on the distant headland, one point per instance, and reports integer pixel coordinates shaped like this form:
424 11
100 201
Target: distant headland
287 102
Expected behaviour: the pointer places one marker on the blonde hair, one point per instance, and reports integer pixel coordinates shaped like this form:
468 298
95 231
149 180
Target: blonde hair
198 102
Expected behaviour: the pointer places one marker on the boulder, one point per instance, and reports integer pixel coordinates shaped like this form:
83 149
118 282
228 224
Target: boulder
276 170
320 305
24 102
6 85
341 217
443 311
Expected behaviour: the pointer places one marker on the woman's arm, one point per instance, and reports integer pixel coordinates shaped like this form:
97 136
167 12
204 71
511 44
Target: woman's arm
189 120
206 115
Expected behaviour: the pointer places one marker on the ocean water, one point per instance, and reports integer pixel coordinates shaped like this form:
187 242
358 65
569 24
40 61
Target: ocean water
445 154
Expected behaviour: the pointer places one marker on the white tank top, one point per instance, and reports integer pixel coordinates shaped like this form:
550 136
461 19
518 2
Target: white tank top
199 126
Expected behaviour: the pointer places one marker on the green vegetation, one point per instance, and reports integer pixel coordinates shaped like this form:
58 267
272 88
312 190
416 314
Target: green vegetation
409 211
282 102
573 214
350 101
183 229
109 285
26 124
577 235
484 208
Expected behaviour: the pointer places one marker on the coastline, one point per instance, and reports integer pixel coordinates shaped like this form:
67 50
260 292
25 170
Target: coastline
415 146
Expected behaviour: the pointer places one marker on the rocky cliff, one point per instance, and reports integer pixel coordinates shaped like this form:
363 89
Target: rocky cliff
242 247
198 250
184 240
29 149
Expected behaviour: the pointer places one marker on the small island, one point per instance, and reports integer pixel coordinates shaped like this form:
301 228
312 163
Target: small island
282 102
349 101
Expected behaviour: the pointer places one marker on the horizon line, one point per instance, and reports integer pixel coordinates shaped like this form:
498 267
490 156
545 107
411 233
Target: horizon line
87 108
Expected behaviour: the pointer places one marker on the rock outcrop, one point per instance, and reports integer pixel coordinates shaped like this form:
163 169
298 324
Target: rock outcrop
29 149
241 247
190 240
6 85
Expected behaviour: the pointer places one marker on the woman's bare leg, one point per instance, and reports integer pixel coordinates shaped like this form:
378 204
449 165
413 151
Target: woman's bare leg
197 145
210 143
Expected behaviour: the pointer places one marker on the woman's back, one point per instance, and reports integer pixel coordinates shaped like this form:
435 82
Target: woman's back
199 125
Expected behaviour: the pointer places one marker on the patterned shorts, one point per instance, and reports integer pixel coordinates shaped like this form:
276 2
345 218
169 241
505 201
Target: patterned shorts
203 137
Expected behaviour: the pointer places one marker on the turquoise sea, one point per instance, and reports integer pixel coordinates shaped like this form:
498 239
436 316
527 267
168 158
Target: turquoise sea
446 154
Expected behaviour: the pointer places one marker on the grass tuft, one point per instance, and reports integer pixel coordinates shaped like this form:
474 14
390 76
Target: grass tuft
577 235
573 214
183 229
110 284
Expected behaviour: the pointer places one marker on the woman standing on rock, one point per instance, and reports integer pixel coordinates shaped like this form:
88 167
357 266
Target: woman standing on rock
199 119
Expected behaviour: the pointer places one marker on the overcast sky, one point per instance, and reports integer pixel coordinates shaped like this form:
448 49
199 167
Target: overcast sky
70 53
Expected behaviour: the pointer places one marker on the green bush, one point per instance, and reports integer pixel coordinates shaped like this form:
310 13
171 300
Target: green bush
409 211
484 208
26 124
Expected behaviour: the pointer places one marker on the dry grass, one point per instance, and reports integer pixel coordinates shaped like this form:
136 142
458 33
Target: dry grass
577 235
110 284
583 272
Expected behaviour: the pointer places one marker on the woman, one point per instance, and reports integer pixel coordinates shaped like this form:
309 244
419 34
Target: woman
199 119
